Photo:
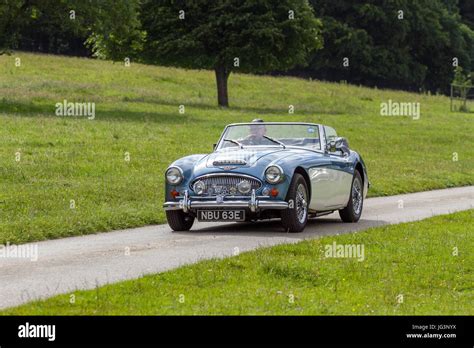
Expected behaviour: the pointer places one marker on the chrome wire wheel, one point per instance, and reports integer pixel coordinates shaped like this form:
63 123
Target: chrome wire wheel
301 204
357 196
294 218
353 211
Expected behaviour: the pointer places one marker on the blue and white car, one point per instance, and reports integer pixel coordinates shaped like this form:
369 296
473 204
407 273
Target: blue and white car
263 170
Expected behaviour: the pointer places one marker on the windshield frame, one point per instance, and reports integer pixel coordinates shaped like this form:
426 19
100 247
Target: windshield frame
320 133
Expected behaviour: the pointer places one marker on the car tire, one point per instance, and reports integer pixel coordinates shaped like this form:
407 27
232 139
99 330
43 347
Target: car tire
295 219
179 220
353 211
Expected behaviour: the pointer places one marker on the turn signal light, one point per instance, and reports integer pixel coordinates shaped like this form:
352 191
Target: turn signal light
274 192
174 193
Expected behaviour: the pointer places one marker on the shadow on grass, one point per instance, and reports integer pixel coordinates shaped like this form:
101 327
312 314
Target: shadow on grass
30 109
250 109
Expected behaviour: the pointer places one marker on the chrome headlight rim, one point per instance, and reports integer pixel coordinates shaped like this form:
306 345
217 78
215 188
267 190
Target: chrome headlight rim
200 191
280 176
243 182
180 176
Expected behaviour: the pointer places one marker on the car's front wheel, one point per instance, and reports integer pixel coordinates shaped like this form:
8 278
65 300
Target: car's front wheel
294 218
179 220
353 211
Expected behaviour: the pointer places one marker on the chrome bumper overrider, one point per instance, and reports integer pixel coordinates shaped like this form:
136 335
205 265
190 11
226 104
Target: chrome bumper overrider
253 204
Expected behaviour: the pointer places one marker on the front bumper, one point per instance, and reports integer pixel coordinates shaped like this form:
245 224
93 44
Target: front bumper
254 203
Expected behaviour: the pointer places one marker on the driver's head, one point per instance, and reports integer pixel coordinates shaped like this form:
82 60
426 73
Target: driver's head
258 128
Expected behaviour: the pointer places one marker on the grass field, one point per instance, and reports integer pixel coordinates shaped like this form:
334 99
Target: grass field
63 176
407 269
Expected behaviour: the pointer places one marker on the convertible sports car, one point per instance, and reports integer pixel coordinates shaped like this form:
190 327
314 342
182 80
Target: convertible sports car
263 170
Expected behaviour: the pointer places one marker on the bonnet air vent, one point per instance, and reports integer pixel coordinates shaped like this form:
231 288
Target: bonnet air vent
228 162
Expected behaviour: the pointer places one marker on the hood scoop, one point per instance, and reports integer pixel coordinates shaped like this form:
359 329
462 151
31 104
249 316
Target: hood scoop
226 162
239 157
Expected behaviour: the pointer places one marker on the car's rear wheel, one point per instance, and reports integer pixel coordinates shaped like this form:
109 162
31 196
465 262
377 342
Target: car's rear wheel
179 220
353 211
294 218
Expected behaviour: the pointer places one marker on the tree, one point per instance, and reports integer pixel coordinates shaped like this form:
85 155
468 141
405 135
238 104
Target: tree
13 14
466 10
229 35
463 83
54 26
114 28
62 26
398 44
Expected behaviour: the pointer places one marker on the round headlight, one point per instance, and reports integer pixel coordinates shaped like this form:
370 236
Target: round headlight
174 176
244 187
273 174
199 187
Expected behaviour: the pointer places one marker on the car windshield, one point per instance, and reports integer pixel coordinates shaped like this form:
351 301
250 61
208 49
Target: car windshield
271 134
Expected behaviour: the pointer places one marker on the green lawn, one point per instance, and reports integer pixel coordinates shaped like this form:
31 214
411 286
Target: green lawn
409 269
137 111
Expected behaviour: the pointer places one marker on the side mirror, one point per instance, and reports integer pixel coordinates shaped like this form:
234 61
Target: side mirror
339 144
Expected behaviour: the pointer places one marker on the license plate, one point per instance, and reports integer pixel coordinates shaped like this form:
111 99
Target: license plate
221 215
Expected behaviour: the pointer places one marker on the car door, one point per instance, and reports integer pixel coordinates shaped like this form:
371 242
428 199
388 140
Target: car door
330 182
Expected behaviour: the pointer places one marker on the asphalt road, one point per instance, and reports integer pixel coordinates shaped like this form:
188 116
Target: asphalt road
85 262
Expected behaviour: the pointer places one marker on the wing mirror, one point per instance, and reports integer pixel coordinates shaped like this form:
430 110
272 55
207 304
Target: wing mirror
339 144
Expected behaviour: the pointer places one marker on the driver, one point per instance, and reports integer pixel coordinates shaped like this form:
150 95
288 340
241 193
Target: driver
257 132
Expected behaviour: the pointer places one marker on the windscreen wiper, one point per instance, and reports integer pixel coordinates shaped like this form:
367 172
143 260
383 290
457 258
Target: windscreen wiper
235 142
275 141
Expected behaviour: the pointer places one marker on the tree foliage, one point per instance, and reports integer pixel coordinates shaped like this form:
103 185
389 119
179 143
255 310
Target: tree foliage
400 44
114 28
404 44
466 10
107 27
54 26
230 35
13 15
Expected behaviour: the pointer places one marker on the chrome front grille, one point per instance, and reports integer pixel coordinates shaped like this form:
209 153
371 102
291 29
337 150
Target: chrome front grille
225 184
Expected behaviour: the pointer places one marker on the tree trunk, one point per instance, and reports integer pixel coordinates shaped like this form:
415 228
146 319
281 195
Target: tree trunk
222 75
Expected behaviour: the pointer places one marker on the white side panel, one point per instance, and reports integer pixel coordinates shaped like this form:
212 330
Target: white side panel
330 188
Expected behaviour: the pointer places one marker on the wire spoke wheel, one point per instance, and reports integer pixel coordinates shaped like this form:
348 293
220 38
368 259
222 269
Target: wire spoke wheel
294 218
357 196
301 203
353 210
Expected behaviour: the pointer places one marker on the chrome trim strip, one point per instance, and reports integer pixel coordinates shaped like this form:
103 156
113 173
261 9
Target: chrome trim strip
254 206
229 197
322 139
185 203
253 202
274 122
205 176
228 162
